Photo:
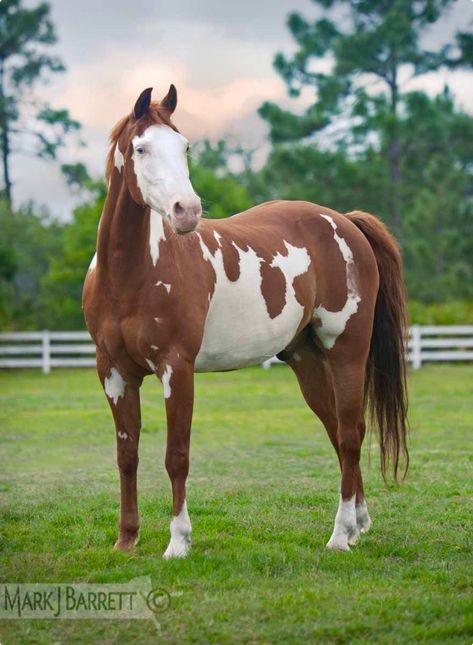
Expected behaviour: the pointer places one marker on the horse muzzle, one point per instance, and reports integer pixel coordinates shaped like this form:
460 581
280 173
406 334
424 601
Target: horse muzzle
186 215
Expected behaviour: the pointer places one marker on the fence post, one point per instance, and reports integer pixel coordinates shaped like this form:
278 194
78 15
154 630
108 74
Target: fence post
416 338
46 352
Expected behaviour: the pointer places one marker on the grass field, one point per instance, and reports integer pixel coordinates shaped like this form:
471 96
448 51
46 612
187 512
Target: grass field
262 498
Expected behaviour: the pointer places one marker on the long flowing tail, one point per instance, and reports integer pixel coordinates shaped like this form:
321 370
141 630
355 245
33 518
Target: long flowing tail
385 384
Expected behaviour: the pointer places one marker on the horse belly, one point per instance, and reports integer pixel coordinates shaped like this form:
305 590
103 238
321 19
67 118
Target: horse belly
239 330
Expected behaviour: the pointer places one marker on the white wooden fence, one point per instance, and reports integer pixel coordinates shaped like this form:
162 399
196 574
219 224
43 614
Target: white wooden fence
431 343
48 349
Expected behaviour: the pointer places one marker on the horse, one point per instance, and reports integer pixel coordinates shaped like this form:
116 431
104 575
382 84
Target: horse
171 293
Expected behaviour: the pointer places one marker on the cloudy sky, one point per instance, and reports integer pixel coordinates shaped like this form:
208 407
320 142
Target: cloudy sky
219 55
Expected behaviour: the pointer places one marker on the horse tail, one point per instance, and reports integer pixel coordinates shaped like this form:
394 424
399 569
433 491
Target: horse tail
385 382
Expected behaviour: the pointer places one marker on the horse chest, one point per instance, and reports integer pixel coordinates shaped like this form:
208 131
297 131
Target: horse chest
239 330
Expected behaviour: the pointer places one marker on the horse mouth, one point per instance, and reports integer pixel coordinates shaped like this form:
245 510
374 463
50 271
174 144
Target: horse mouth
187 229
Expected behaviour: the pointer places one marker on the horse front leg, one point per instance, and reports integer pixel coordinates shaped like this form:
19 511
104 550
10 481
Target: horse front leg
178 385
124 398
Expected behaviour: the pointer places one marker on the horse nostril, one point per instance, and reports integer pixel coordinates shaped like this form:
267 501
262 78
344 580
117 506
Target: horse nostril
178 209
197 208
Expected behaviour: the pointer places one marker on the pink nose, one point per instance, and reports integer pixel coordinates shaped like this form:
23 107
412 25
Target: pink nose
186 214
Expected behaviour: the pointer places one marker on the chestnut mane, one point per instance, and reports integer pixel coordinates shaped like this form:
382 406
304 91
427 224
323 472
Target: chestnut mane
155 115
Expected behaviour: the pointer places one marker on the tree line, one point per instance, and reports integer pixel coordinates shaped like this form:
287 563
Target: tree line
364 142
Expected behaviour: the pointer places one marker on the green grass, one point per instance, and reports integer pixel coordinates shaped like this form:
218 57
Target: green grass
262 496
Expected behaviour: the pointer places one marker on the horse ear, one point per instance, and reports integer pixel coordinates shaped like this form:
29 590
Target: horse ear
142 104
169 102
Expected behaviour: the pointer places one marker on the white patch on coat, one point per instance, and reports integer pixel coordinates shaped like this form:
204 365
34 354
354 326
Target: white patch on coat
118 158
166 381
158 320
122 435
345 531
161 169
93 262
152 366
114 385
333 323
218 238
154 347
181 530
163 284
239 330
156 235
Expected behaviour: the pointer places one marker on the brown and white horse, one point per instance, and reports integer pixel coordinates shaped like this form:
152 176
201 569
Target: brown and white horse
169 293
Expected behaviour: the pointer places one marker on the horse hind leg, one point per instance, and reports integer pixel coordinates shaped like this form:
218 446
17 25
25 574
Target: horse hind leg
347 365
314 375
363 519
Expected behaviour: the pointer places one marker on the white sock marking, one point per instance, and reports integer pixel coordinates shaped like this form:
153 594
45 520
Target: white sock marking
363 519
181 529
345 531
93 262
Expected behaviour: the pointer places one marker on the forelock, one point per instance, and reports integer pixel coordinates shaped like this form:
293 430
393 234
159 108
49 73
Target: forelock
155 116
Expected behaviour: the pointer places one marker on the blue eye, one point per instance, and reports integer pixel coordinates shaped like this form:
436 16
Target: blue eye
140 150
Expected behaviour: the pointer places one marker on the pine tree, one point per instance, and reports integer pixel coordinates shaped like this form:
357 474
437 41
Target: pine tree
25 35
366 44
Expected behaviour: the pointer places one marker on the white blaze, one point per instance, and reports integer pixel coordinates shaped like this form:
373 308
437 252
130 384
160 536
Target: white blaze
333 323
160 164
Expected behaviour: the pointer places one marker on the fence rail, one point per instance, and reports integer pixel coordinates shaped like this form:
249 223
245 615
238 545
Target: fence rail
48 349
51 349
432 343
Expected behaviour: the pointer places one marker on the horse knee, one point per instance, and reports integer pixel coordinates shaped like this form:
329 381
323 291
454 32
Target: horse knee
350 447
177 463
127 462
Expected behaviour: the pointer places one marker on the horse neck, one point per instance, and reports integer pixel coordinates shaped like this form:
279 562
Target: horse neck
123 235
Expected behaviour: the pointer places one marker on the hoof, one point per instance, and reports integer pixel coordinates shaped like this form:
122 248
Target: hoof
338 543
178 548
353 537
126 543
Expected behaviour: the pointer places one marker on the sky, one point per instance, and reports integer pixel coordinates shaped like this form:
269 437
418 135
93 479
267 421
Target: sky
218 54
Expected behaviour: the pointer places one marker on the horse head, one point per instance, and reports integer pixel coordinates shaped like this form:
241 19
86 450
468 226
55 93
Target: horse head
152 153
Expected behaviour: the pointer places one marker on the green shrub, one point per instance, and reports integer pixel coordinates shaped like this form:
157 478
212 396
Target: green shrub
455 312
